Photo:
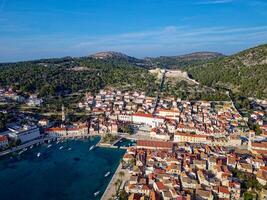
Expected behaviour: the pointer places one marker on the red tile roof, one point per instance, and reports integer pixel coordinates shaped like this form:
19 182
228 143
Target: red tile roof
3 138
155 144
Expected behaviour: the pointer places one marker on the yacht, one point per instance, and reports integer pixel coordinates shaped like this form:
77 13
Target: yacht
107 174
92 147
96 193
38 154
69 149
19 153
61 147
49 145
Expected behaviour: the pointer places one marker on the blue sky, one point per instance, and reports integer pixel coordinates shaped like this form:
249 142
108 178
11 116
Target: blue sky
31 29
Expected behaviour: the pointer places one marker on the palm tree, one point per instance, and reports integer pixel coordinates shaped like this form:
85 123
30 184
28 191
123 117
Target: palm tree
121 174
117 185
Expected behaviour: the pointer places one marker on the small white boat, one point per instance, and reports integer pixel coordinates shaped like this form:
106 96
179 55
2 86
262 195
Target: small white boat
19 153
25 149
92 147
38 154
61 147
31 146
96 193
69 149
58 142
107 174
49 145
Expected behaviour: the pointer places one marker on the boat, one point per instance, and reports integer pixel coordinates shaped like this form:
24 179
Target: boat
25 149
49 145
31 146
61 147
92 147
69 149
107 174
58 142
96 193
38 154
19 153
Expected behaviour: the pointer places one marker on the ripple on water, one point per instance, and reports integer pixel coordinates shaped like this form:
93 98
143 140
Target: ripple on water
58 174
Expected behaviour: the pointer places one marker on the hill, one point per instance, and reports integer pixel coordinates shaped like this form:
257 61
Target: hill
172 62
244 73
50 77
117 56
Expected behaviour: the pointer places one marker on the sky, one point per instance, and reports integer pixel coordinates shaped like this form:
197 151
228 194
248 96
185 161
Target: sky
33 29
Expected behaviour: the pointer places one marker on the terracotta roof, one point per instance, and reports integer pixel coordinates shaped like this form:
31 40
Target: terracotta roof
160 185
3 138
146 115
223 189
156 144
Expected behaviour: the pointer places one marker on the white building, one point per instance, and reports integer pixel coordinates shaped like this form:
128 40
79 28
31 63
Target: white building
24 133
148 119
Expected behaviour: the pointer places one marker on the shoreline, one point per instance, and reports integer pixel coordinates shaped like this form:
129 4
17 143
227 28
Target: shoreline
111 189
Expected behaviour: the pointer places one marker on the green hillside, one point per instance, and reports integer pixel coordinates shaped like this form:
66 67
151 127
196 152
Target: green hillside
244 73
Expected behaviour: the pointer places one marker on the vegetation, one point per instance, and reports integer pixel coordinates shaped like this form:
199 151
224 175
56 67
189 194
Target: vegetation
186 91
69 75
126 128
172 62
244 73
3 120
108 138
249 181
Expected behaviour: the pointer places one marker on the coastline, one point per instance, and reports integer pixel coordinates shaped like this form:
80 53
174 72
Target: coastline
111 189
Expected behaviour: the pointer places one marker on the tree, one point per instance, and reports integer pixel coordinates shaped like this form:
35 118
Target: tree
121 174
117 186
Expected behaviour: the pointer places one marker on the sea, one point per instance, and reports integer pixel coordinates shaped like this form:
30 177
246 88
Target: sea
64 171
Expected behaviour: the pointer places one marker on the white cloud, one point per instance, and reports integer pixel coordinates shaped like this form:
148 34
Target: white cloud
214 2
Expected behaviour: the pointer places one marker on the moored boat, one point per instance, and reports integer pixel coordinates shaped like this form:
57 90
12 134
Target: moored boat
92 147
96 193
107 174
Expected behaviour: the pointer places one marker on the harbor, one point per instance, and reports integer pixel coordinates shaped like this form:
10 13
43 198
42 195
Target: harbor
77 172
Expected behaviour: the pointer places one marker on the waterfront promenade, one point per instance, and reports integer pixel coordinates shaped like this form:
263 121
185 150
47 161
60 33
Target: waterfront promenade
111 189
14 149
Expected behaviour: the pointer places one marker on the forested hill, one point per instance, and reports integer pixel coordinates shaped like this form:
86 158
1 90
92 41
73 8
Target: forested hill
173 62
244 73
49 77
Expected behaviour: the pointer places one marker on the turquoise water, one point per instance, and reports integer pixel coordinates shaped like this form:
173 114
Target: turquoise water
58 174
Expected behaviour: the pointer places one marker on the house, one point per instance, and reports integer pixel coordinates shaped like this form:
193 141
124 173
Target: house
148 119
224 192
187 137
3 141
203 194
150 144
159 186
262 175
23 133
258 147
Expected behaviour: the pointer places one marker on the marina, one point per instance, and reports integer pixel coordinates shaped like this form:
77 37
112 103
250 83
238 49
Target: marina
51 173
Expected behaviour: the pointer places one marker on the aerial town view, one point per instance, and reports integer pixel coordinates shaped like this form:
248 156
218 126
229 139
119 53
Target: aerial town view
184 117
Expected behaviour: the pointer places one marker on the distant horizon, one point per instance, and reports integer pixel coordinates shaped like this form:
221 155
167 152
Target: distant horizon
88 55
31 30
